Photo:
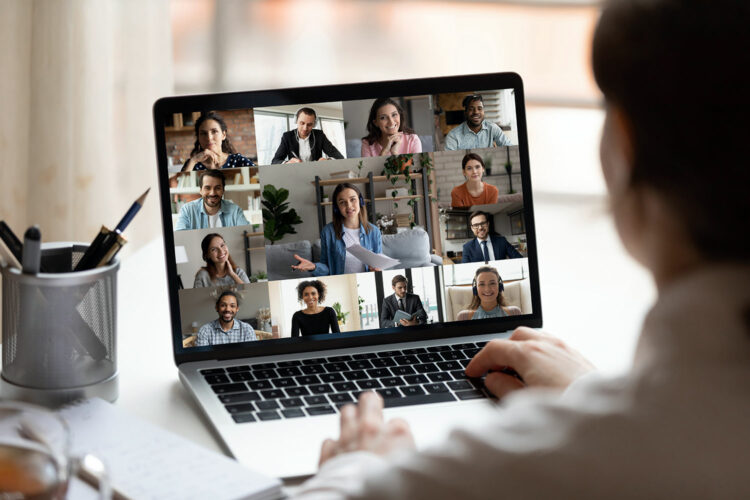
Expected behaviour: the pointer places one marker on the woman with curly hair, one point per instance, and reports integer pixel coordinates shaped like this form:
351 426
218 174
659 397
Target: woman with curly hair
314 319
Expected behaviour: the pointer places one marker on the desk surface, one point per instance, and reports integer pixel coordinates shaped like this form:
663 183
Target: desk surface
593 296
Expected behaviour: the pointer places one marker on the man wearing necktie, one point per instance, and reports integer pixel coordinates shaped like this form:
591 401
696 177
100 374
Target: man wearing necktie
486 246
401 300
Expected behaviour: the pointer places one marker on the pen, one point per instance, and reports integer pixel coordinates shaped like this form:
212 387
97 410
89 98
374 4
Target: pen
32 250
137 204
107 243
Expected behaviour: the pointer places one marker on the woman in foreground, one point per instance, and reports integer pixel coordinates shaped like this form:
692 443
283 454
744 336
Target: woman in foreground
676 425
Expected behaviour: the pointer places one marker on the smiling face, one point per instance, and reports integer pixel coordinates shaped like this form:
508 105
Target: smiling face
212 191
227 308
217 250
305 124
210 135
388 119
400 289
480 226
488 287
347 202
310 296
475 113
473 170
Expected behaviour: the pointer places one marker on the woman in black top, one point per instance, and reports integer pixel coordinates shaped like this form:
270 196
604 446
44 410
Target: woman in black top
313 319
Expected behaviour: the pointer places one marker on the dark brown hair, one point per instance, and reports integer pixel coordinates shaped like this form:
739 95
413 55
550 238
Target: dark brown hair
317 284
475 301
678 72
338 217
226 144
228 292
373 132
214 173
471 156
210 267
399 278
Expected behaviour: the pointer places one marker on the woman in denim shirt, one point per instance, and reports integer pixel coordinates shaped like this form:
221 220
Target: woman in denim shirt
349 227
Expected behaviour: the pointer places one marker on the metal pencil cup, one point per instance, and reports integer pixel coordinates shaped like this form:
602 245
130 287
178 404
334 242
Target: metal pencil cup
59 330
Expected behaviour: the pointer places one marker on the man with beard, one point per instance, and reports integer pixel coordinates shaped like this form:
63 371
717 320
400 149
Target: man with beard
226 329
475 132
486 247
210 210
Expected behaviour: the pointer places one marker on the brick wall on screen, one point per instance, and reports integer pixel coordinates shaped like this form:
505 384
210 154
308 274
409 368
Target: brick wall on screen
240 128
448 172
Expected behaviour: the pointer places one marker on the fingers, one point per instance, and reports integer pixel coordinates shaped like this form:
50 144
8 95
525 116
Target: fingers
327 451
349 428
495 355
526 333
501 384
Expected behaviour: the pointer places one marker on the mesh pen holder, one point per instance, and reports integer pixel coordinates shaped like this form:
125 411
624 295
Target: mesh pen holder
59 330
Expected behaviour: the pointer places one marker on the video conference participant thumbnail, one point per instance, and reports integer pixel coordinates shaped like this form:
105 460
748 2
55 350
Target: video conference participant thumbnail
349 227
488 300
305 143
213 149
220 269
315 318
475 132
211 209
408 303
474 191
486 246
226 329
387 133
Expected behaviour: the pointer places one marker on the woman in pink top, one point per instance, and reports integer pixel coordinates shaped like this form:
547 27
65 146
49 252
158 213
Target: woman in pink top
474 191
386 132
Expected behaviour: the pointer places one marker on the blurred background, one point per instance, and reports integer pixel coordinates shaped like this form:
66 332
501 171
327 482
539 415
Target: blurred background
81 77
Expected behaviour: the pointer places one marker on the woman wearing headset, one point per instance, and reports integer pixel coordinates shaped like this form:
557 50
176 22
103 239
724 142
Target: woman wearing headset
488 300
349 227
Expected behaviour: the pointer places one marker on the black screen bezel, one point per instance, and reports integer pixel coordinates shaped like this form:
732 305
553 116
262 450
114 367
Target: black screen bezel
165 107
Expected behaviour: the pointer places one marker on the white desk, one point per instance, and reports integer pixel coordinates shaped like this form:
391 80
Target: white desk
593 296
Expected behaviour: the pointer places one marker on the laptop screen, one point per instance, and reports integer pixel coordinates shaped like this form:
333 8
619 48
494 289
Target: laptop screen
294 222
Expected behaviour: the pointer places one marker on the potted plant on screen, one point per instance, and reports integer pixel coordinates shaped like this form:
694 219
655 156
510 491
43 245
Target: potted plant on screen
340 315
278 218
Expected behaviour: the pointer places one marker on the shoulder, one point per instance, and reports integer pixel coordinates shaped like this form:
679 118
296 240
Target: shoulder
494 127
202 273
489 188
238 160
373 228
243 325
460 189
330 310
328 231
229 206
499 239
457 130
208 326
469 243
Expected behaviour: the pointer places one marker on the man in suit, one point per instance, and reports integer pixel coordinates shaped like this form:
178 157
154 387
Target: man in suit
401 300
305 143
486 247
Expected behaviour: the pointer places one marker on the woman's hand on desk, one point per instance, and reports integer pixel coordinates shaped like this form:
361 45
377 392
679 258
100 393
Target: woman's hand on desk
363 429
540 359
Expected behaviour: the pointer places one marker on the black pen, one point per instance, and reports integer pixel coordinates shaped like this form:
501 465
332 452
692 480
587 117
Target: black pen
32 250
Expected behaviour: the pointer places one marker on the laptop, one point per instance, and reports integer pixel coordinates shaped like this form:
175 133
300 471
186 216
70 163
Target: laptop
325 241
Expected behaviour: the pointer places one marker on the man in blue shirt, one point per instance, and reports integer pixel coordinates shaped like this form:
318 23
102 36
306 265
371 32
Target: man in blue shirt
211 210
486 247
475 132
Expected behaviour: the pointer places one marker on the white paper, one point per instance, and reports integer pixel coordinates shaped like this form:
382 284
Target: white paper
147 462
372 259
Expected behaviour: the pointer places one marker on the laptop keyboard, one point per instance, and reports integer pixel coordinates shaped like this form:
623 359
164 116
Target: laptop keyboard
320 386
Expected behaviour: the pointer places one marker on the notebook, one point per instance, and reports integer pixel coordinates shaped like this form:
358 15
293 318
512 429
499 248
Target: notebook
144 461
283 317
